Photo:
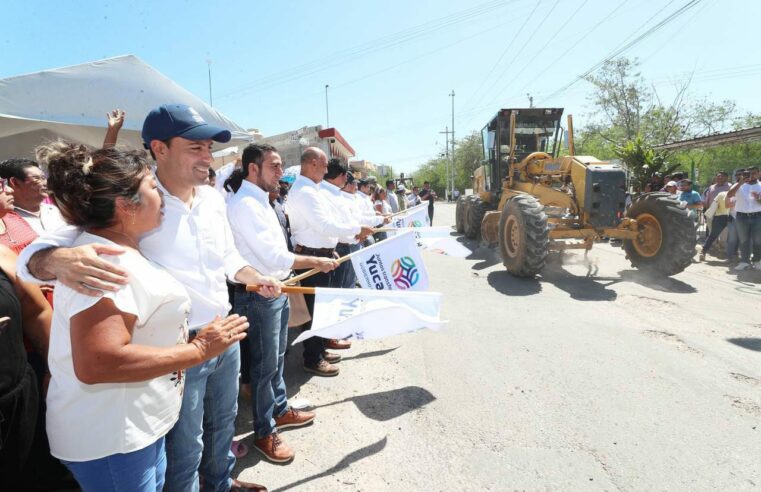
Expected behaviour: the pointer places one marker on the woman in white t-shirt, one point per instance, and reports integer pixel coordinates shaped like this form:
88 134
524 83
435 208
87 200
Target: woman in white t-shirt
117 360
382 206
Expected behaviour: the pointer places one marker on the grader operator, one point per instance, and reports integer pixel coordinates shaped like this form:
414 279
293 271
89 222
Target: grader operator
529 201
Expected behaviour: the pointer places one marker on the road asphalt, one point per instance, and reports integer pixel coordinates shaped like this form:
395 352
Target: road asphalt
614 381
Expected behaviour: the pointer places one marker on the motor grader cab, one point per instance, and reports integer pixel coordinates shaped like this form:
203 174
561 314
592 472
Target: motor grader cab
528 201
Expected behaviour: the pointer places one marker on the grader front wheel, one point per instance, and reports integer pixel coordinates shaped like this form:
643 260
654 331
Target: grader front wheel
523 236
666 236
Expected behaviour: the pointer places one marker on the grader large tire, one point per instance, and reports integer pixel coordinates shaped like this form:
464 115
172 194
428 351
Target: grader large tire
459 215
474 215
524 237
666 242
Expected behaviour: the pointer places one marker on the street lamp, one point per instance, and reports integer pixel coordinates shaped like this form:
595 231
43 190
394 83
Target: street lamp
211 101
327 113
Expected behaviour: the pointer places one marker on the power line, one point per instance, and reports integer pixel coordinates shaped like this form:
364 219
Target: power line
684 8
504 52
588 32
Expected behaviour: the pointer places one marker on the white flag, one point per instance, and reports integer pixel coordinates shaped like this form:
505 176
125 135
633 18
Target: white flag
365 314
416 216
437 239
392 264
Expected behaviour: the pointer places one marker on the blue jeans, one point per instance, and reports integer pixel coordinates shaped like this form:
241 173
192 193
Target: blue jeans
732 241
718 224
200 441
267 339
139 471
749 234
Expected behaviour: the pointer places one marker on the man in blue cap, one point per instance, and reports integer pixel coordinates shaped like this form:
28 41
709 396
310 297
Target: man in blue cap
194 244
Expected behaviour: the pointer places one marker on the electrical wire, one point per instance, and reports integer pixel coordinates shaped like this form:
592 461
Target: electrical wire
674 15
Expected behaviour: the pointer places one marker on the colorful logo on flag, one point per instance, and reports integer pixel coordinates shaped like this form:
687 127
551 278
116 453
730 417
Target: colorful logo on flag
405 272
415 223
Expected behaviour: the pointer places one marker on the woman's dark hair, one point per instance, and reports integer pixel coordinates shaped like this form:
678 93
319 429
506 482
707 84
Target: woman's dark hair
252 154
85 183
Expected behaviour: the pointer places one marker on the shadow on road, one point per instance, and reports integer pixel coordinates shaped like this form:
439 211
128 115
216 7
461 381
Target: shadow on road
747 343
350 458
663 284
387 405
580 288
506 284
365 355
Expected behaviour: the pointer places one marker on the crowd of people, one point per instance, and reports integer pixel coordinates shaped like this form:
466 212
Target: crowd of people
734 207
127 332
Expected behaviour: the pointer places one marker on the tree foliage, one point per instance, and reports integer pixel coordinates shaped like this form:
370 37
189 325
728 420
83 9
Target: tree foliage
467 158
629 118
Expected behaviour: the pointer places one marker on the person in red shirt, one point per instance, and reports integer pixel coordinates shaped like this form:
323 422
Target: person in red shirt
15 232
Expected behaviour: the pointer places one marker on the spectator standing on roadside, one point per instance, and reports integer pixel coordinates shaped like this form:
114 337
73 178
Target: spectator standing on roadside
391 198
316 228
733 242
671 187
719 220
747 194
689 196
428 194
719 184
29 186
261 239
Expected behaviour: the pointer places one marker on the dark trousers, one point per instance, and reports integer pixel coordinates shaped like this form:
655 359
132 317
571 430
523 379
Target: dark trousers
718 224
430 213
313 347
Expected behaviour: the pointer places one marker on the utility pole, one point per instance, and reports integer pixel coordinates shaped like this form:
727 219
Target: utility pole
446 155
327 113
211 101
451 190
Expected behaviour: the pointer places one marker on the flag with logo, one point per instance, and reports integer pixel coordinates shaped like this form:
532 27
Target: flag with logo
416 216
438 240
392 264
362 314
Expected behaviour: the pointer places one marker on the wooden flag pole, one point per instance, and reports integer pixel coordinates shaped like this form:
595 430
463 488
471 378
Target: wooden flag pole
286 289
315 271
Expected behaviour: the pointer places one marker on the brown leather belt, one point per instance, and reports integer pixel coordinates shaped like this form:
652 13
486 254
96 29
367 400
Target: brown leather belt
323 252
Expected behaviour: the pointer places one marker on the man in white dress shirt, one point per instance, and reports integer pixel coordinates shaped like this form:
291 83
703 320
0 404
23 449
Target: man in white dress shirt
316 226
195 245
333 184
260 239
29 192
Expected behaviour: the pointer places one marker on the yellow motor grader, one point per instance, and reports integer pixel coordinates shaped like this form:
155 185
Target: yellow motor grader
529 201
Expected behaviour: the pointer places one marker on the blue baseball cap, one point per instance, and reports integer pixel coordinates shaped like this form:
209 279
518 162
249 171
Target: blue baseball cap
178 120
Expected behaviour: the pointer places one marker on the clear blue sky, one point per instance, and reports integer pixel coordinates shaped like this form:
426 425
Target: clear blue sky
391 64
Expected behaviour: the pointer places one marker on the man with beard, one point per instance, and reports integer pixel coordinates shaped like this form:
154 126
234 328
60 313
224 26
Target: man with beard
260 239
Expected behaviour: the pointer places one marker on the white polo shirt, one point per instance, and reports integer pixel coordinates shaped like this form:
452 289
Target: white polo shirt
314 223
257 232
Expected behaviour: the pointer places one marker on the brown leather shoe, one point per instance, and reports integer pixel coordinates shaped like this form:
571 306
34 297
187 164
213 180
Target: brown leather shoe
274 449
294 418
239 486
323 368
334 344
331 357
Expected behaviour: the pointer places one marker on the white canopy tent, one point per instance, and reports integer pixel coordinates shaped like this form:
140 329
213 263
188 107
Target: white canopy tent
72 102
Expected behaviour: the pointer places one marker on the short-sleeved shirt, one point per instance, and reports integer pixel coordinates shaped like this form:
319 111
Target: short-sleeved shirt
746 202
91 421
691 197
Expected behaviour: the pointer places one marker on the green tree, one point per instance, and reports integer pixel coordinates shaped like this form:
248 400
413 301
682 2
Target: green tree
643 161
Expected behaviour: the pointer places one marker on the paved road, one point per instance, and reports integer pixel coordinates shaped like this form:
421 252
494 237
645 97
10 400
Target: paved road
615 382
